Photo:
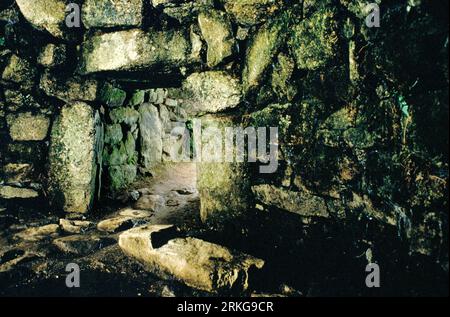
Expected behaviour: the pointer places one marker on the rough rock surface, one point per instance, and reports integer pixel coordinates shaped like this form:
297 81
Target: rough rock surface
20 71
112 13
72 89
264 45
82 244
297 202
73 158
210 92
75 226
28 127
197 263
135 50
251 12
46 15
223 187
217 31
38 233
9 192
315 41
53 55
150 136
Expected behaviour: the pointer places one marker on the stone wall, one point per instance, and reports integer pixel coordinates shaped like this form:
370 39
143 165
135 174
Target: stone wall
362 112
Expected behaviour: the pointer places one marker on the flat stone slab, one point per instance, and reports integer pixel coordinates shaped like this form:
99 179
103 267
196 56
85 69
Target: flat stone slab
82 244
38 233
197 263
121 223
9 192
75 226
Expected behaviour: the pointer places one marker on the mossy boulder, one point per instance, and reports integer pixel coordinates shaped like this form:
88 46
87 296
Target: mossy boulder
217 31
113 134
209 92
112 96
127 115
122 153
315 41
48 15
137 98
251 12
262 48
70 89
184 11
224 188
283 83
121 176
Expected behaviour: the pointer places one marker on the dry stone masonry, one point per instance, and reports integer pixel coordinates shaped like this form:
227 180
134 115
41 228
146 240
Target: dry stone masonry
362 114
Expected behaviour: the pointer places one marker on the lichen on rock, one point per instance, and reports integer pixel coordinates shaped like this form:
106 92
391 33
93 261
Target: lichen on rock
73 158
135 49
217 31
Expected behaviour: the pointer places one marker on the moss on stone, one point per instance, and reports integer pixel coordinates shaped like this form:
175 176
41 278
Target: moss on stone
314 41
217 31
121 176
113 134
127 115
112 96
263 47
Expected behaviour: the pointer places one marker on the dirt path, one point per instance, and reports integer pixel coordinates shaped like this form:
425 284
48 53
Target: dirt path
172 195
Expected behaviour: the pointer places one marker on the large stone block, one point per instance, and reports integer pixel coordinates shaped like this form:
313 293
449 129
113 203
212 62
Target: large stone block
209 92
48 15
197 263
69 89
263 47
251 12
135 49
112 13
151 130
217 31
224 187
73 158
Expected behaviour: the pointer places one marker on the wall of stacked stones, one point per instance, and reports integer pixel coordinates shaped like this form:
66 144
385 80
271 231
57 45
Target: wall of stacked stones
362 112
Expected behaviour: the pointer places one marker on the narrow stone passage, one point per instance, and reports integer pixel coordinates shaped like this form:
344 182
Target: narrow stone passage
173 187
